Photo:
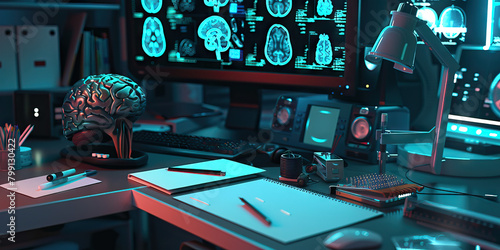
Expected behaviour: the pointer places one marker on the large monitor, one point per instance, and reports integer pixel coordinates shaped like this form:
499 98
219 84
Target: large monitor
305 46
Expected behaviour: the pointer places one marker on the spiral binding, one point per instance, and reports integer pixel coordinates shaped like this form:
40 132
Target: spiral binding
317 193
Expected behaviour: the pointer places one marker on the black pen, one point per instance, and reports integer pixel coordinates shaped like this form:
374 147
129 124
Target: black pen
61 174
197 171
267 220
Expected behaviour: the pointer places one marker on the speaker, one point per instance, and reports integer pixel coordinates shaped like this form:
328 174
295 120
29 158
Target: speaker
361 142
40 108
284 113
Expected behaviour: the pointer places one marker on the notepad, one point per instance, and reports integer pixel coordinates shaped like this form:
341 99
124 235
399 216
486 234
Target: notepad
29 187
294 213
173 182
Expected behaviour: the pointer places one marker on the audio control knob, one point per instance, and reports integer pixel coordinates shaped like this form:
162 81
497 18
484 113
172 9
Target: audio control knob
360 128
494 95
283 116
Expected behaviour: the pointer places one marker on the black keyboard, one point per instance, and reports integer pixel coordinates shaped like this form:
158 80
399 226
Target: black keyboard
197 146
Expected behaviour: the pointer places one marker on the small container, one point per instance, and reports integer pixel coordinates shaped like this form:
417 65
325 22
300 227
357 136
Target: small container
16 159
10 160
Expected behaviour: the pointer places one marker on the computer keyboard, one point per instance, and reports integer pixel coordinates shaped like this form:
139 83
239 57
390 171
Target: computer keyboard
197 146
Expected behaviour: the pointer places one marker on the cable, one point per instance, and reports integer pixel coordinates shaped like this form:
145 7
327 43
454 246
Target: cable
490 197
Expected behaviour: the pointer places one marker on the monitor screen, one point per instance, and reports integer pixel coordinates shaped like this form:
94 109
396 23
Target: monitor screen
456 22
281 44
321 125
495 23
475 107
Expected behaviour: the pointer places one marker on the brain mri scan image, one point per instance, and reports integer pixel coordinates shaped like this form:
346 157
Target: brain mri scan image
279 8
151 6
324 54
324 7
216 33
216 4
153 38
278 48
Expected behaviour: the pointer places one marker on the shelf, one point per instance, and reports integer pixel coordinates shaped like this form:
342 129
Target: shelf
63 6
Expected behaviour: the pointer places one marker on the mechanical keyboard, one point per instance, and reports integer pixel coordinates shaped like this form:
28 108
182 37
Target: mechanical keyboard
197 146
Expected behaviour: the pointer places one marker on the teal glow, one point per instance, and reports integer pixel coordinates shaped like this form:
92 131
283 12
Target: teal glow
404 51
318 140
153 38
334 237
326 112
472 131
489 28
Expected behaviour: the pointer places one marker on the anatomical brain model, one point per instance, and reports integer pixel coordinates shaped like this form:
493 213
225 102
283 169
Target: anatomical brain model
101 105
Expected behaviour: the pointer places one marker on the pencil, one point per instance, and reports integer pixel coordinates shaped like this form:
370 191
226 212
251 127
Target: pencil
26 135
25 130
2 138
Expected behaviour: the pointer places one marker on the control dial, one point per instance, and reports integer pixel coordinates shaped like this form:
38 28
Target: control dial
283 116
495 95
360 128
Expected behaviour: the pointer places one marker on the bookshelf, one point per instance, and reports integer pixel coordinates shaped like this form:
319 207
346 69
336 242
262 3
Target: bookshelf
102 17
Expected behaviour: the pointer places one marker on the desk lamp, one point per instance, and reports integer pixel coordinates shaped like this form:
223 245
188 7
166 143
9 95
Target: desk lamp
397 43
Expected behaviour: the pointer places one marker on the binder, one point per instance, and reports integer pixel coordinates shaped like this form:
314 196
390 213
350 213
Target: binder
38 51
8 59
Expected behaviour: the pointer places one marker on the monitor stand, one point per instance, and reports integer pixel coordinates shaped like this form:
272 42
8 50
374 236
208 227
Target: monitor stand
244 108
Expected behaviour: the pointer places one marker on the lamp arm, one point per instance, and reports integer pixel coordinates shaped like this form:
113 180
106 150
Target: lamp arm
450 66
435 45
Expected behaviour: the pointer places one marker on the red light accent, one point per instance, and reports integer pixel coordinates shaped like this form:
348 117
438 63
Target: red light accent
40 63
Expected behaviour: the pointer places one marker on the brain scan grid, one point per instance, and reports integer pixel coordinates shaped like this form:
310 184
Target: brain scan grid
256 35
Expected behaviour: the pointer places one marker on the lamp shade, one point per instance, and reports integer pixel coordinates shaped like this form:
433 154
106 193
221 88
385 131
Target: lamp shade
397 43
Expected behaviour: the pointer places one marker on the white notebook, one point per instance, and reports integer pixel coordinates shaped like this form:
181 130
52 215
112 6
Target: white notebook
173 182
294 213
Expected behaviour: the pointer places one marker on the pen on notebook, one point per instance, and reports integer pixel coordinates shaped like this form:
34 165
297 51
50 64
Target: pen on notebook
197 171
66 179
267 220
57 175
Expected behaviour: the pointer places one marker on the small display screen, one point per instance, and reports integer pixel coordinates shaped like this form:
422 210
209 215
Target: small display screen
321 125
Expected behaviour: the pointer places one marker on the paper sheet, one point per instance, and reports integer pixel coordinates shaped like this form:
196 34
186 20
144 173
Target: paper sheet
29 187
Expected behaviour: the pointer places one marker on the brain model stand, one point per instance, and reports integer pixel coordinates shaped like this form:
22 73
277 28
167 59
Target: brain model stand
153 38
216 33
324 7
103 107
279 8
324 53
278 48
151 6
217 4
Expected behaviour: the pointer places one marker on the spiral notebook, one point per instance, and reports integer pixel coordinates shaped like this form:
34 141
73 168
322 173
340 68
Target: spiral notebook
294 213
